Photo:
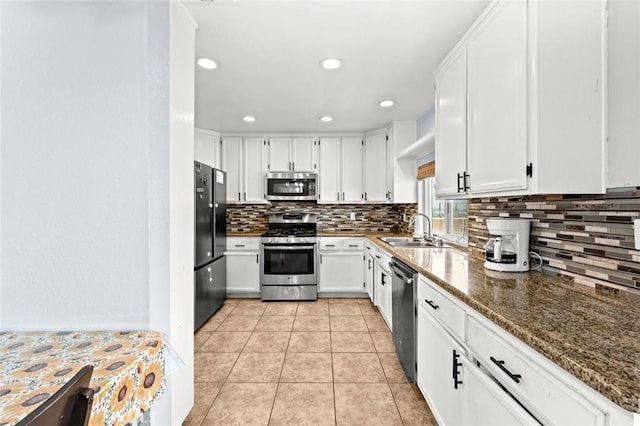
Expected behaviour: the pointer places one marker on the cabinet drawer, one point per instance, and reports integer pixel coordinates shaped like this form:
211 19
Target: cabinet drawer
243 243
332 244
352 245
442 307
545 396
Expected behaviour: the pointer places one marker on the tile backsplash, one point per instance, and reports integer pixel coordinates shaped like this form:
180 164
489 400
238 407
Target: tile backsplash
331 217
589 238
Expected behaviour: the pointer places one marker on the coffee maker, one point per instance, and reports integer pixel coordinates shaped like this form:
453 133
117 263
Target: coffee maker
508 247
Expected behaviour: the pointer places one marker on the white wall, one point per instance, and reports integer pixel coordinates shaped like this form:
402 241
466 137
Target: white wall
74 165
95 182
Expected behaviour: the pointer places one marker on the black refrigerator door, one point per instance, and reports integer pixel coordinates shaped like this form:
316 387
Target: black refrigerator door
219 213
203 210
210 290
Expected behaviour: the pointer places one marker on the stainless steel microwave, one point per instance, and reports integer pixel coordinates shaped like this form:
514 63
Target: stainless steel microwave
292 186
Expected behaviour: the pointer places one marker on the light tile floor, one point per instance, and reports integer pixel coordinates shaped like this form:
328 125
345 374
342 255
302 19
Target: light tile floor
310 363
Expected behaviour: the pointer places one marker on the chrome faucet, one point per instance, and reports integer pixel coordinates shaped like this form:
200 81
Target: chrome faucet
426 235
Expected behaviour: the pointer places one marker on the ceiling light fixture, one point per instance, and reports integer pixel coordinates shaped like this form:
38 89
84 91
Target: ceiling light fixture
206 63
331 63
249 118
386 103
326 118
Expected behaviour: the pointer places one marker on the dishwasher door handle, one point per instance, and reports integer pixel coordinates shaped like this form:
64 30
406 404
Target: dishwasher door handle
403 278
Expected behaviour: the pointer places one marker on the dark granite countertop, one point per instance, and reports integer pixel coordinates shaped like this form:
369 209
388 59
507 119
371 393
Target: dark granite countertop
593 335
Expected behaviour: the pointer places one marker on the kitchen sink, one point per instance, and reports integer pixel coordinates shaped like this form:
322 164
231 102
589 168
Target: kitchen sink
411 242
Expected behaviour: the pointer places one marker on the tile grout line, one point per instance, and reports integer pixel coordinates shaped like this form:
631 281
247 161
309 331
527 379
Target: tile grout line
225 380
395 402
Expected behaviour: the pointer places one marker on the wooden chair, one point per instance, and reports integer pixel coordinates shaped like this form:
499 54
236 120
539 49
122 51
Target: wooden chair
69 406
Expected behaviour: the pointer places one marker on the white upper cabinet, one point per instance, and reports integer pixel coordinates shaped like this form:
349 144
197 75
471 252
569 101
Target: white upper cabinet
254 170
207 147
303 157
340 170
451 130
244 161
497 100
351 170
520 102
291 154
232 164
623 108
375 168
279 158
401 173
329 173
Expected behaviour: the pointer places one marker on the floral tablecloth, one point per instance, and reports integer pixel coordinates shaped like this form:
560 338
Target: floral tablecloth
128 375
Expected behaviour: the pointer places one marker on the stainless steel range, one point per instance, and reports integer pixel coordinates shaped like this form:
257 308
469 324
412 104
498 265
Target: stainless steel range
288 257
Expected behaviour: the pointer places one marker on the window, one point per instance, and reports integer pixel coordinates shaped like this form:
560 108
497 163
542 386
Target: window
448 217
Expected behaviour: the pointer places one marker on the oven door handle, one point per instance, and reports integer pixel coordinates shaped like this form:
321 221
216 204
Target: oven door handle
279 247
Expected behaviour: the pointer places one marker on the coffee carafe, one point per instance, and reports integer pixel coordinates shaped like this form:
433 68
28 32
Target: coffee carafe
507 249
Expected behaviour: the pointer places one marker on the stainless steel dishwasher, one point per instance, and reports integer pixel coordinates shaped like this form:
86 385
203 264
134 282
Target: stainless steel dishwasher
403 311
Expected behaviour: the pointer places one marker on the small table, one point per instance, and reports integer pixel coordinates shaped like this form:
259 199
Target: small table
128 375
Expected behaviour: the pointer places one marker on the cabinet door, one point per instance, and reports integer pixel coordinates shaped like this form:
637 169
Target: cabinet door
279 159
486 404
436 352
340 273
387 303
369 275
351 170
302 158
451 123
243 272
231 163
497 100
329 173
375 168
207 148
254 170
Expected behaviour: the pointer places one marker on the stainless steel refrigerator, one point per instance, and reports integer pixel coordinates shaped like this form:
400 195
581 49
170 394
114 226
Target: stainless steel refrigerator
210 241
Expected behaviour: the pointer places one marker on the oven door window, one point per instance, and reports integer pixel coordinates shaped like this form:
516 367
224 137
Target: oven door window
288 261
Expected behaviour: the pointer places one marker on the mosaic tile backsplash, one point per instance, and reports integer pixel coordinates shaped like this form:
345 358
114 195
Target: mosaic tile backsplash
589 238
331 217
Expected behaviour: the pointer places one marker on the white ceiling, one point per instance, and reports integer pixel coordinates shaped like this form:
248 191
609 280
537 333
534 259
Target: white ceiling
268 54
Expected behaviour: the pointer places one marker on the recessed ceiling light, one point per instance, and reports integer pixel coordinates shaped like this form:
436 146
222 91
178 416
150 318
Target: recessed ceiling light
326 118
206 63
249 118
386 103
331 63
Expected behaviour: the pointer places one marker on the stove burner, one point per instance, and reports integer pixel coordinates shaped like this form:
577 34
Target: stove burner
292 227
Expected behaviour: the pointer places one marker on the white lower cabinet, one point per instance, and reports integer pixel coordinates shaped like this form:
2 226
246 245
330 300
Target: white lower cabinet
382 286
437 353
459 392
472 372
243 266
486 404
340 265
368 268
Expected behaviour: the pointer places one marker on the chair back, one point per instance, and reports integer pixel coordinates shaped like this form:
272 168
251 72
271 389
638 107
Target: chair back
69 406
